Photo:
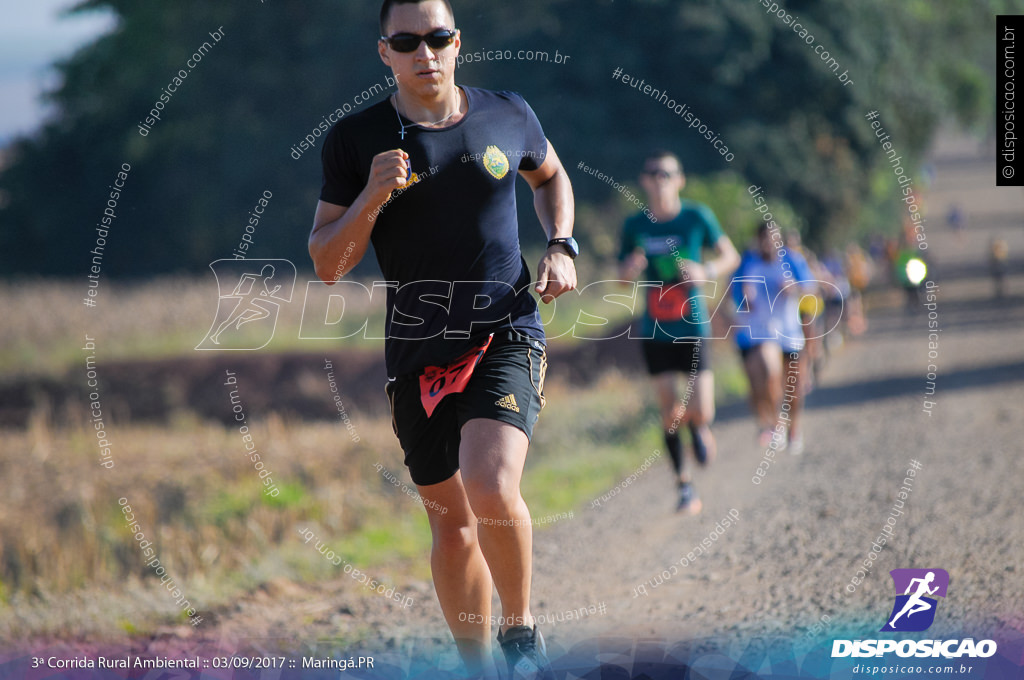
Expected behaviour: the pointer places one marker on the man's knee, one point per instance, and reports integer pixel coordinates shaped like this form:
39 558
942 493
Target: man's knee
703 416
493 455
453 535
493 498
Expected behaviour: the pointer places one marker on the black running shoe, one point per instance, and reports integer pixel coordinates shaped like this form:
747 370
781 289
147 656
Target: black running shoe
689 502
524 650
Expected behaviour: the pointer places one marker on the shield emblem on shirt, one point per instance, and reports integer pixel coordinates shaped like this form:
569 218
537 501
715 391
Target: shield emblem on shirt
496 162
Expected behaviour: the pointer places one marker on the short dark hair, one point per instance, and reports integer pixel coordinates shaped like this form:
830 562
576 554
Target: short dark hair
385 11
658 154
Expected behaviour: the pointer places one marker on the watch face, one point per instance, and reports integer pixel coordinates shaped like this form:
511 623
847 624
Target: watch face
572 246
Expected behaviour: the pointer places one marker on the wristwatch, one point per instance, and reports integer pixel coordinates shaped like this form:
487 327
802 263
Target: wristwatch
570 245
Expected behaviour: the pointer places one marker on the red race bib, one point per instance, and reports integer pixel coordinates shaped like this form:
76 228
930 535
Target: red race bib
669 304
437 382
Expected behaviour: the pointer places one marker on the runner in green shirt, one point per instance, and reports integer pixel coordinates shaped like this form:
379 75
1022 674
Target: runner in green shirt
668 256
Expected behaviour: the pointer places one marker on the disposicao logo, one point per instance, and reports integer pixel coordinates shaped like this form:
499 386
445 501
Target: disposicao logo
914 611
258 289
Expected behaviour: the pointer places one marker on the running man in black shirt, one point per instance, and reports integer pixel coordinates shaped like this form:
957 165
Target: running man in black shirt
428 177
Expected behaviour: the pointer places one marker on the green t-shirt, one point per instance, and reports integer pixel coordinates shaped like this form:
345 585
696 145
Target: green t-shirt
680 309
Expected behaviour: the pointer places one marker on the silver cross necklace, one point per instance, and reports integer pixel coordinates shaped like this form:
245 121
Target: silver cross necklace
437 122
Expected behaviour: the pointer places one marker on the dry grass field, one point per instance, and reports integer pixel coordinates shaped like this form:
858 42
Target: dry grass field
69 565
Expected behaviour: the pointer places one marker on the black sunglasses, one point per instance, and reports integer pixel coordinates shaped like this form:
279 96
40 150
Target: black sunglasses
410 42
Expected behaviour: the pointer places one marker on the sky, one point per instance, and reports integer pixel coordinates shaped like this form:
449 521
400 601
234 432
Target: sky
33 36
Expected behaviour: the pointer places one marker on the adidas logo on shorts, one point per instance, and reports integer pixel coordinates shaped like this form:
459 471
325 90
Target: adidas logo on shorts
508 402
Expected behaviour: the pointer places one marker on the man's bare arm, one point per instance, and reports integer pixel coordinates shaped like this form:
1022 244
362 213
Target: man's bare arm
556 210
726 260
337 228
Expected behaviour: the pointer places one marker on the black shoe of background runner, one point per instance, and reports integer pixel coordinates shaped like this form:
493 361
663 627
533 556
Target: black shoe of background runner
700 447
524 650
689 503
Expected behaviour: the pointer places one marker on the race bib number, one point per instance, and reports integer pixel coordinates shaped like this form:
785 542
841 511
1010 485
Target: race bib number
669 304
437 382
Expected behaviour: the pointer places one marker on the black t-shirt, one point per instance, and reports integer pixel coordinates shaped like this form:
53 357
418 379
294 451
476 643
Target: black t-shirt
448 242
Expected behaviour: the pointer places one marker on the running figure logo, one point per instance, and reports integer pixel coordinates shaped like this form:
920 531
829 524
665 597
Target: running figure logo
914 610
258 287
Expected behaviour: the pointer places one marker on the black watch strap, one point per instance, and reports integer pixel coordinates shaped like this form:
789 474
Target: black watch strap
570 245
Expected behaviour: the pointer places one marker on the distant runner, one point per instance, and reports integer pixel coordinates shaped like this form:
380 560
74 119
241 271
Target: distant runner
998 254
767 290
467 377
675 325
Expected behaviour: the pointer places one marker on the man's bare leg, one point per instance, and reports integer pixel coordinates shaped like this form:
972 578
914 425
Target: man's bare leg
698 411
673 412
461 577
492 456
764 373
793 389
701 413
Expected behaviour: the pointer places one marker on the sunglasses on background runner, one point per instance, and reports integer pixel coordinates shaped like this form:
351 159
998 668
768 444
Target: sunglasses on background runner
410 42
657 174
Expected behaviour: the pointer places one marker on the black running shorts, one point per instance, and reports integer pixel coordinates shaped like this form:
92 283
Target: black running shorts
507 385
662 357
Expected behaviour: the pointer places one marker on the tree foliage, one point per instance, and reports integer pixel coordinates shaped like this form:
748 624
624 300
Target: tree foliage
226 134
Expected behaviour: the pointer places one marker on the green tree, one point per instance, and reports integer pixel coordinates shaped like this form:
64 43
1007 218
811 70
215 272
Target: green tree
227 133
